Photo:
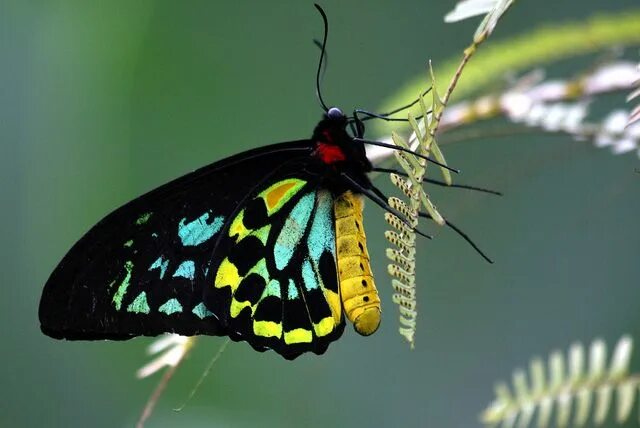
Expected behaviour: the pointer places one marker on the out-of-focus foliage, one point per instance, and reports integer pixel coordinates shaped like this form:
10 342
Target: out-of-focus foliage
580 382
635 113
492 9
532 49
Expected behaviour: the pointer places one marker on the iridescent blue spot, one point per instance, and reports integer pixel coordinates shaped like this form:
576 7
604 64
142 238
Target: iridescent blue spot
201 311
187 269
161 264
309 276
198 231
293 230
139 305
292 291
171 306
322 236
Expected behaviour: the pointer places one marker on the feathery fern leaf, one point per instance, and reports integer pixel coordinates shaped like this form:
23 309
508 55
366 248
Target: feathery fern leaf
577 387
423 140
402 268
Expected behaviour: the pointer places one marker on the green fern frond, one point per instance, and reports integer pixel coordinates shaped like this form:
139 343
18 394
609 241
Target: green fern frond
402 268
577 385
423 141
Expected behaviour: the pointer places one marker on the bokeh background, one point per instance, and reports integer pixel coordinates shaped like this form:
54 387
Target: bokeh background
102 101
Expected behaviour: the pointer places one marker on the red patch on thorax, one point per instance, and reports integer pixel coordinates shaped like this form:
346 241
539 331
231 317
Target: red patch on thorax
330 153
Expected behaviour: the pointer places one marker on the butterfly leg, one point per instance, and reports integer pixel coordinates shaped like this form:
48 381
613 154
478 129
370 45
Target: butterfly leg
378 198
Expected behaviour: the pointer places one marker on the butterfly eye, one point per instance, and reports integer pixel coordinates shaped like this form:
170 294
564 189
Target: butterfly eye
335 113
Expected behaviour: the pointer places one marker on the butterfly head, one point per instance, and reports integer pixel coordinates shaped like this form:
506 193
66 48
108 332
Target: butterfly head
334 113
334 145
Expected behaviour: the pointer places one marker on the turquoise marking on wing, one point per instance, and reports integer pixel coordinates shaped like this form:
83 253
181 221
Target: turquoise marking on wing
187 269
293 230
272 289
292 291
160 264
201 311
139 305
171 306
309 276
322 236
198 231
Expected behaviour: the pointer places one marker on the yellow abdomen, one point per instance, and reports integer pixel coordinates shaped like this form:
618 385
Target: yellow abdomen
357 289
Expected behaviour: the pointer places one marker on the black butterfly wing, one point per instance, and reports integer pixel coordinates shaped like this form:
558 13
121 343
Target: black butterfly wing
142 270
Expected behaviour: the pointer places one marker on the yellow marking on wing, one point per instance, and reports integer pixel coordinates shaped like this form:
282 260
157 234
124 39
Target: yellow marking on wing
335 304
262 234
298 335
358 292
237 228
324 327
227 276
278 194
237 307
267 328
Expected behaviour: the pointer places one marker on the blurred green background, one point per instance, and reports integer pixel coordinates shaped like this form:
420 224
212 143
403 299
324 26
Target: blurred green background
102 101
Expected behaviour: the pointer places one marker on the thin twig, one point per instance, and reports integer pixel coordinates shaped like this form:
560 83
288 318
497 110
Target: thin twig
151 403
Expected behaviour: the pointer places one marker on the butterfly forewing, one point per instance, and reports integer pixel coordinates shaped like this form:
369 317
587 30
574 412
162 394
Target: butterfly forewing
142 270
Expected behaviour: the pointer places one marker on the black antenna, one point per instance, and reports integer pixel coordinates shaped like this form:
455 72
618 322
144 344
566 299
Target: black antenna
409 105
324 44
325 63
439 183
462 235
385 116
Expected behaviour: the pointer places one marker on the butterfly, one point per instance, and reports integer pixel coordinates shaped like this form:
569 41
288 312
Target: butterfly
267 246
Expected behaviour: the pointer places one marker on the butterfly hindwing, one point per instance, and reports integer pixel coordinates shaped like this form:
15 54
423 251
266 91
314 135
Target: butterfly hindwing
279 271
142 269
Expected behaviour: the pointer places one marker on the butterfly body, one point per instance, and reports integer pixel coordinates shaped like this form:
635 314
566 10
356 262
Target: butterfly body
357 287
260 247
